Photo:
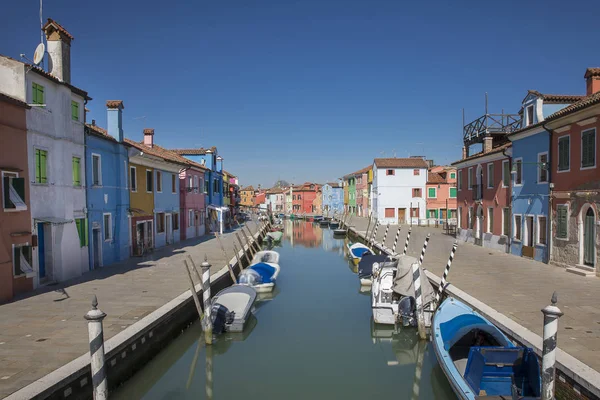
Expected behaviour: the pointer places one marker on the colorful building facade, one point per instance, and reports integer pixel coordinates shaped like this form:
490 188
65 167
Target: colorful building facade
441 194
333 198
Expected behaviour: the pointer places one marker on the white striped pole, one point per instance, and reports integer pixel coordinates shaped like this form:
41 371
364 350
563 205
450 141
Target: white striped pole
424 249
418 370
367 231
419 300
209 373
396 239
551 315
442 287
207 321
374 233
96 337
407 240
387 228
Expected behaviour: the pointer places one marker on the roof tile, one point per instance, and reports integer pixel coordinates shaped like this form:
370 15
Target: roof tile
401 163
194 152
588 101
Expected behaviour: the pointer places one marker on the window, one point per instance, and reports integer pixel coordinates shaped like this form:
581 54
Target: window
299 197
215 186
588 148
541 236
206 187
190 183
414 212
37 93
562 220
195 186
505 173
175 219
149 181
543 167
158 181
519 171
416 192
76 171
470 178
432 214
173 184
22 259
359 181
490 175
74 110
431 193
107 227
490 220
389 213
96 170
190 217
564 148
390 172
41 165
517 227
133 179
529 115
160 223
452 175
81 224
294 197
416 172
459 181
506 221
13 191
452 192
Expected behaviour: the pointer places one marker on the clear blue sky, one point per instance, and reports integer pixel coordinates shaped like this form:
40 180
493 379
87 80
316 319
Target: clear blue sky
311 90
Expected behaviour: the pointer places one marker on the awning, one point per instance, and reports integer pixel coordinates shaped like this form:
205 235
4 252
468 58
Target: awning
53 220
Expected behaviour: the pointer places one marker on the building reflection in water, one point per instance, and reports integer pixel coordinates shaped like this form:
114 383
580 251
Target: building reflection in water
303 233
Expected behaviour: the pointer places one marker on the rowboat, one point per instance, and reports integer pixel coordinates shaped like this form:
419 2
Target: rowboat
357 250
478 359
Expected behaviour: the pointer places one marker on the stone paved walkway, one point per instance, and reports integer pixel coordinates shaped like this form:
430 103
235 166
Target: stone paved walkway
517 287
46 329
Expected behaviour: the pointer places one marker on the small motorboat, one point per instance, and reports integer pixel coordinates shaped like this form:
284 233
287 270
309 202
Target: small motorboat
340 232
479 360
231 308
318 218
370 264
267 256
334 224
262 273
275 236
323 222
357 250
281 215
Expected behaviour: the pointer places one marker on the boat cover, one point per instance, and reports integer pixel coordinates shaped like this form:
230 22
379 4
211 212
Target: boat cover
365 266
266 256
403 282
265 270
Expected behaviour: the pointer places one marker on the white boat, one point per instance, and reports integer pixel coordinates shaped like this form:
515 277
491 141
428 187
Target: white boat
231 308
370 264
262 273
268 256
357 250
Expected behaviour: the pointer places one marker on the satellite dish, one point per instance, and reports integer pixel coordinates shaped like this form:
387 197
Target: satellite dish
38 56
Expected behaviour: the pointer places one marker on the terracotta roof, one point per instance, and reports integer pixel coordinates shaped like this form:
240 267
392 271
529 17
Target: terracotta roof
194 152
58 27
333 184
248 188
161 152
401 163
96 130
481 154
527 128
580 105
364 170
557 98
592 72
12 100
115 104
434 177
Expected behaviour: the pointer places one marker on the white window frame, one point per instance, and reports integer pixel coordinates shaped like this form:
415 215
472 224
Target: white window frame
504 233
191 182
515 162
17 208
99 169
490 210
470 178
459 180
159 178
503 176
567 206
537 230
488 175
558 154
459 217
539 168
452 173
133 181
525 230
104 228
581 150
435 193
514 228
527 121
470 217
190 218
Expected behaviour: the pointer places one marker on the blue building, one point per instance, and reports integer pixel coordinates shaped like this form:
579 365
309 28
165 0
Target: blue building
213 182
531 175
333 198
107 194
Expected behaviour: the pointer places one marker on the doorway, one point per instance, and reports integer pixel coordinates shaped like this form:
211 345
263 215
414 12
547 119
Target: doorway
528 247
169 228
401 215
41 251
97 243
589 238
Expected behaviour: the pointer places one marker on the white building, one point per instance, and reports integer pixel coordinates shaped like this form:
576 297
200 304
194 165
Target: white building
55 140
398 192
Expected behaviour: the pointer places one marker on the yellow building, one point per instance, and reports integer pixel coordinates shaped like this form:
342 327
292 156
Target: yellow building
226 195
247 195
141 198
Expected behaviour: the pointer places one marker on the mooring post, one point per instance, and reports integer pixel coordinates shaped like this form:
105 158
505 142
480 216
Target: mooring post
367 237
374 236
387 228
551 315
407 240
207 320
250 247
227 259
96 338
419 301
237 257
242 245
396 239
442 287
424 249
209 373
193 290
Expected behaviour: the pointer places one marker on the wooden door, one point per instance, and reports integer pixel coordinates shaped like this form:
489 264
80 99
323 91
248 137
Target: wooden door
401 215
528 248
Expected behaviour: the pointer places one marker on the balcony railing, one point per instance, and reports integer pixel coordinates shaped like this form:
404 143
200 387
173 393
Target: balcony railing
490 124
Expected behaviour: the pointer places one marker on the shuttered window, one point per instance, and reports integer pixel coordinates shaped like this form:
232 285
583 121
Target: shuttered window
452 193
506 221
459 180
564 160
543 168
562 219
74 110
37 93
505 173
588 148
81 224
490 175
41 164
541 230
431 193
389 213
76 171
518 226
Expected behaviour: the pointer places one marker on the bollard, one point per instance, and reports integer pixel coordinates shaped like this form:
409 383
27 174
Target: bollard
209 373
419 301
237 257
551 315
396 239
96 337
387 228
242 245
407 240
424 248
207 320
442 287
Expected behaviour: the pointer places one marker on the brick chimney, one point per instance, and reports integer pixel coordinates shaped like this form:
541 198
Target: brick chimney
465 152
487 144
592 78
115 119
59 50
149 137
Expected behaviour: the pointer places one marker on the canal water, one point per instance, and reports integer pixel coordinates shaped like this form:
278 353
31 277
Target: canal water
313 338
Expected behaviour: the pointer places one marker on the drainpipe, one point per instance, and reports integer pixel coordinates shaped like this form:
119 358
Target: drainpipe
550 195
510 205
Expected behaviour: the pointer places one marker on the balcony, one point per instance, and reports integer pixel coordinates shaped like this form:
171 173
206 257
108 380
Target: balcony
490 125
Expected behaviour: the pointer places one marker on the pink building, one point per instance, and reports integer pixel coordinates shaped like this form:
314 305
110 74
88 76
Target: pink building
192 200
441 193
362 192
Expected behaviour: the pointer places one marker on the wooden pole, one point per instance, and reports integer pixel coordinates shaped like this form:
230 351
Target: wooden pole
368 226
242 245
227 259
193 290
252 251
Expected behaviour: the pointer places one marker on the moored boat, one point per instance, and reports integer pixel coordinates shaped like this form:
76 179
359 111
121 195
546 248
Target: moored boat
323 223
340 232
262 273
231 308
357 250
478 359
370 264
334 224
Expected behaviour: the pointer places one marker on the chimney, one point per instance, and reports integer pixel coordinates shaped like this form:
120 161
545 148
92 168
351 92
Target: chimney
115 118
149 137
592 77
487 144
465 152
59 50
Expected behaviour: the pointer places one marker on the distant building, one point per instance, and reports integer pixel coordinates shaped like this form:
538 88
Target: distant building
247 197
441 194
333 198
362 192
192 199
303 197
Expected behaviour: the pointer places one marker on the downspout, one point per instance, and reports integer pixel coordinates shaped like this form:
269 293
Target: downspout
510 205
550 195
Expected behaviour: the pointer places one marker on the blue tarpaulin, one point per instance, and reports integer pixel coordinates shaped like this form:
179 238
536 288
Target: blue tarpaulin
265 270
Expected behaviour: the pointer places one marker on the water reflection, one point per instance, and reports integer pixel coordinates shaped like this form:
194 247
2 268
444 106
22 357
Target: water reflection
306 234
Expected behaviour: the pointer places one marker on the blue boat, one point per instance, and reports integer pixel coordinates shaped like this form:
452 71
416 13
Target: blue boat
262 273
356 251
479 360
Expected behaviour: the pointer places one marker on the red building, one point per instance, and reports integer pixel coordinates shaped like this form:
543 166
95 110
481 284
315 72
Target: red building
303 197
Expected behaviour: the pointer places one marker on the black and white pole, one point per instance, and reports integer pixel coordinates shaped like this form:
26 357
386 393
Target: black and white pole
551 315
209 373
407 240
387 228
419 300
207 320
442 287
374 233
396 239
424 249
96 337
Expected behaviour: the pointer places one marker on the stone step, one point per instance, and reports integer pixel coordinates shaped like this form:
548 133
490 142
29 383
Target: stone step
582 271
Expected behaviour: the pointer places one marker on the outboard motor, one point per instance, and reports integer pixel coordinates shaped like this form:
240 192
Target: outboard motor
406 310
221 317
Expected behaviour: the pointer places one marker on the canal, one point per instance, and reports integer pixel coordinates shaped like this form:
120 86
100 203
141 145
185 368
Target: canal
312 338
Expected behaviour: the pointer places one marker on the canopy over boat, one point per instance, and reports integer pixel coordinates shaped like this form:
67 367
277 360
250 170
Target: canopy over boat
403 282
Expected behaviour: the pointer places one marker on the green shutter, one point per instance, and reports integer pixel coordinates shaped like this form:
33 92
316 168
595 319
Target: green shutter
76 171
85 223
37 93
5 184
431 193
562 222
43 165
74 110
452 192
